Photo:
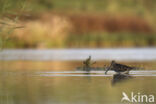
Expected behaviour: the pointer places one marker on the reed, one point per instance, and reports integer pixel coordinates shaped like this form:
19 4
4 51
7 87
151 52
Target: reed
7 24
122 39
40 35
88 40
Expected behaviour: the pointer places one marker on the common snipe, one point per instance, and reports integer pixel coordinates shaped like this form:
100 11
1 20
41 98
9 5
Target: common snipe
119 67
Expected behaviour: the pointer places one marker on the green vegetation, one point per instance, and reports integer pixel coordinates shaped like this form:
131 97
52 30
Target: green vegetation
111 40
7 24
139 6
75 24
90 40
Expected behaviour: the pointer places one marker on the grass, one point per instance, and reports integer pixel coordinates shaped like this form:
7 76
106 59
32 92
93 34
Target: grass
110 23
101 40
139 7
89 40
92 30
8 25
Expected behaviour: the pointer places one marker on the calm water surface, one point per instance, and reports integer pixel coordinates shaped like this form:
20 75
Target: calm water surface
70 86
130 54
53 82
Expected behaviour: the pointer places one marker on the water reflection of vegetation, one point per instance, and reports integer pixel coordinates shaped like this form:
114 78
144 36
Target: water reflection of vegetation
65 65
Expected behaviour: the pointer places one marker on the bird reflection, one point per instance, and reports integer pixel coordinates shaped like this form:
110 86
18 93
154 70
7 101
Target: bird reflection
117 78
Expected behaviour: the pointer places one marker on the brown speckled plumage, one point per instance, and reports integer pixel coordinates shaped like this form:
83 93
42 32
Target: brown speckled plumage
118 67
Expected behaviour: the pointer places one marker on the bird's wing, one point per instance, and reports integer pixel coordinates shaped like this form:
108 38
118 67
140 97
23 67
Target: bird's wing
125 66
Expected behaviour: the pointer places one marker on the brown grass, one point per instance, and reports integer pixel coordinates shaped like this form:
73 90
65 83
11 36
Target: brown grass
38 33
109 23
63 30
94 22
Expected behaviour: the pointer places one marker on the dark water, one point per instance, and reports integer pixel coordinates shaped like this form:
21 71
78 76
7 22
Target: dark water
58 83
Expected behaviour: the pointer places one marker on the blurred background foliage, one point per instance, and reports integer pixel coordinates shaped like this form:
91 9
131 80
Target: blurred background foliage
77 23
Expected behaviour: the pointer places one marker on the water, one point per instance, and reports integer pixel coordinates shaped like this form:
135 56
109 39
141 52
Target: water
47 81
130 54
95 73
75 88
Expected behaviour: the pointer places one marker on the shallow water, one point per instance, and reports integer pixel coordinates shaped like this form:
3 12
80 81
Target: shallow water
48 89
68 86
47 81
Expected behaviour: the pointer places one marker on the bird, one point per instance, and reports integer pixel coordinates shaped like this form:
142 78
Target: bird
119 68
87 64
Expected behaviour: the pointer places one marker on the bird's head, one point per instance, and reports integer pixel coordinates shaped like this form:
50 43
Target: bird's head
113 62
110 67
